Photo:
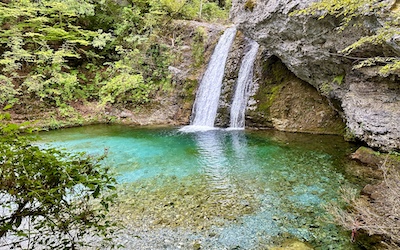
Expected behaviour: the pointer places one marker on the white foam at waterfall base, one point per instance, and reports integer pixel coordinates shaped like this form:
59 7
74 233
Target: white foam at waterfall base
194 128
207 97
234 128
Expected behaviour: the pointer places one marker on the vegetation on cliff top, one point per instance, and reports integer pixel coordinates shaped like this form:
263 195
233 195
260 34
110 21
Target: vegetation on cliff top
386 32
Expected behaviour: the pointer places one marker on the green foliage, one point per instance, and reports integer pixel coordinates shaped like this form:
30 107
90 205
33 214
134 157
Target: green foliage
58 86
133 78
338 79
41 37
196 9
198 46
347 10
173 6
350 11
125 88
66 111
8 92
326 88
212 12
155 64
191 10
62 51
140 61
390 68
391 64
48 197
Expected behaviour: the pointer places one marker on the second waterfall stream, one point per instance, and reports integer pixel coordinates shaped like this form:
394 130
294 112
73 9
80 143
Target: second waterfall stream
244 86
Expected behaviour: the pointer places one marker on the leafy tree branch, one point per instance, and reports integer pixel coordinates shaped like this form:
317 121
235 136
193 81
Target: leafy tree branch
50 198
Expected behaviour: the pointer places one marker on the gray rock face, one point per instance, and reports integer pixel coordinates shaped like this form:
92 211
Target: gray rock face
309 48
372 110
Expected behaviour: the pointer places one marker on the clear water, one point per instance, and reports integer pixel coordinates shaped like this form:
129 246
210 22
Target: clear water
261 186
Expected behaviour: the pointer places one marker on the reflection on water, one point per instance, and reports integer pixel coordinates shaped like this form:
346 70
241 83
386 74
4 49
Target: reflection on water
248 186
213 159
219 152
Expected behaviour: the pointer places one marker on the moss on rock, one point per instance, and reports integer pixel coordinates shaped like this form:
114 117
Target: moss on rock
287 103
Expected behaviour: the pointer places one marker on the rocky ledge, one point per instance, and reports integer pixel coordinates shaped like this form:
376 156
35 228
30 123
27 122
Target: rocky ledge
309 48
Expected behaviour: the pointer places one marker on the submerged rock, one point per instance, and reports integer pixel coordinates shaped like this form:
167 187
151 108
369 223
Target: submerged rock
309 48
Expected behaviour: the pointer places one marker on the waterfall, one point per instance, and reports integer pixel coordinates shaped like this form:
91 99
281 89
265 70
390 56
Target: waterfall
207 98
243 86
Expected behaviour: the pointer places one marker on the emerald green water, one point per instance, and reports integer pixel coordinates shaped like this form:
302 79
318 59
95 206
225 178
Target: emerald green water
250 188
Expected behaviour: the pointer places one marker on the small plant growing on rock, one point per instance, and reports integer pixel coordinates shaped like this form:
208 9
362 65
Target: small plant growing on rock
198 47
249 5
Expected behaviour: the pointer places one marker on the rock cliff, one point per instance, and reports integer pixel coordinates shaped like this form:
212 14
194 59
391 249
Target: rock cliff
309 48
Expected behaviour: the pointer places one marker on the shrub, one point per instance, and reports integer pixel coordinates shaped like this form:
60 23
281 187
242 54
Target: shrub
8 93
198 46
377 215
211 12
125 88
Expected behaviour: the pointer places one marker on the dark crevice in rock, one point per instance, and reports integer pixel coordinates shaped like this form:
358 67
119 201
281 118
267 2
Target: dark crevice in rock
285 102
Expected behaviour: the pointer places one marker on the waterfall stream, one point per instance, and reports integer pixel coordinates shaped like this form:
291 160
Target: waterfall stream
206 103
243 87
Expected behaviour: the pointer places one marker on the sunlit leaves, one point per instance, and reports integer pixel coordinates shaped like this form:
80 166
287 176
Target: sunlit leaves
391 64
196 9
345 9
125 88
42 36
173 5
8 92
47 44
102 39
